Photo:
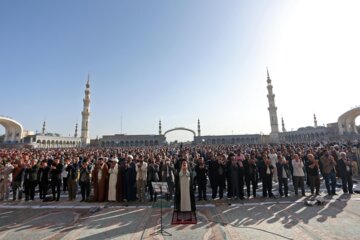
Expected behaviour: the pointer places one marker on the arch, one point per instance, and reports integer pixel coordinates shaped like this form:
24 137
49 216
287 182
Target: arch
13 130
180 129
346 122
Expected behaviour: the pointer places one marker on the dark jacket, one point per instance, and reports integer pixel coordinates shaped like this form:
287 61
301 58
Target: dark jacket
84 174
72 170
153 172
263 170
31 174
43 174
250 170
201 174
280 167
55 174
343 171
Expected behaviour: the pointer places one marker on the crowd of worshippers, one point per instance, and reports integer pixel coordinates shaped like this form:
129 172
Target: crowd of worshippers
127 174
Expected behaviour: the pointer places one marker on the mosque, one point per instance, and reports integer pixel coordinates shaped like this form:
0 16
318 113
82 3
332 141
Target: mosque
344 129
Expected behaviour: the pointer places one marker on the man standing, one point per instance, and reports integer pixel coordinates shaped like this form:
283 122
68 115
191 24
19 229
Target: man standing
153 176
201 173
273 158
100 177
113 179
72 177
141 177
251 176
5 180
17 180
55 175
313 174
43 177
84 181
283 175
298 174
345 172
184 197
168 176
267 173
328 170
30 179
218 172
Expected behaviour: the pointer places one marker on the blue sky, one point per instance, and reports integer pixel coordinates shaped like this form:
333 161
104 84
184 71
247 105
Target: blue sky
177 61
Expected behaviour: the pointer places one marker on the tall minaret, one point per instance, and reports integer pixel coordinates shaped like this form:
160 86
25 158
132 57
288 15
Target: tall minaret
199 131
159 127
76 130
272 108
85 115
283 125
43 128
315 121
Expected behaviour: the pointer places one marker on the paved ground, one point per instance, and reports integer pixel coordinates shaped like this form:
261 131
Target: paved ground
281 218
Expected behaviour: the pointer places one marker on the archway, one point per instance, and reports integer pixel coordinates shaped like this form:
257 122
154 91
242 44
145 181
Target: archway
180 129
13 130
346 122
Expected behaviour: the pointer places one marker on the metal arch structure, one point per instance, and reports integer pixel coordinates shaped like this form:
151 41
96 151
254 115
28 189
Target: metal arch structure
13 130
180 129
346 122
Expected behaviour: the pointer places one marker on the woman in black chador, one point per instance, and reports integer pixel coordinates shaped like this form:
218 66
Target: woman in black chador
184 191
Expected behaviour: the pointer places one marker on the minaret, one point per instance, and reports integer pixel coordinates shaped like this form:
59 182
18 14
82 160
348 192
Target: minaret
199 131
283 125
272 107
159 127
315 121
43 128
85 115
76 130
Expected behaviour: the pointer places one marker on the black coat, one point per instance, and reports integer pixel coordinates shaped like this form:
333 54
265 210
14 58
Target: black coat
250 170
217 172
201 174
264 169
43 174
342 169
55 174
31 174
280 168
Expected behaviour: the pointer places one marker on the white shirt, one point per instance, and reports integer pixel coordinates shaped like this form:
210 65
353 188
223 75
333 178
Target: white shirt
273 158
298 168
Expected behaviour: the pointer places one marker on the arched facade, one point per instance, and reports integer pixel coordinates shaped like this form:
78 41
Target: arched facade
180 129
346 122
122 140
229 139
13 130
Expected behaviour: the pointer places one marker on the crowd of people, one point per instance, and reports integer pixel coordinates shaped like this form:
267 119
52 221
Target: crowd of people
127 174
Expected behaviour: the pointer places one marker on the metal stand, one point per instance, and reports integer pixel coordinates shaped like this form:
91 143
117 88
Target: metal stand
161 230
